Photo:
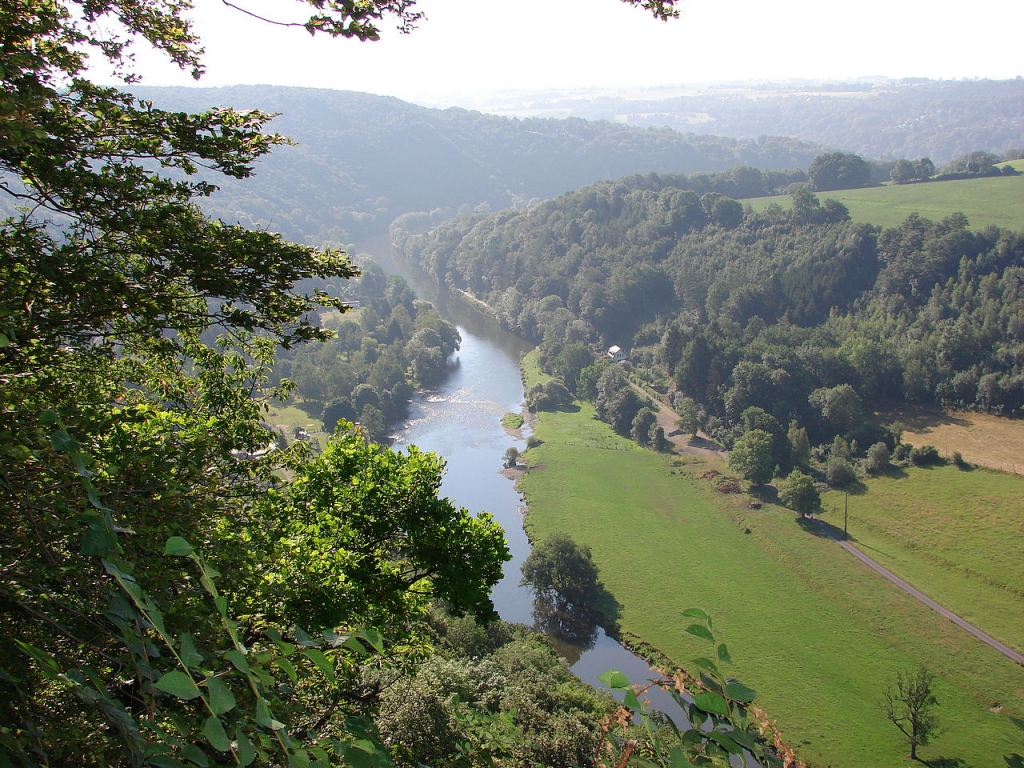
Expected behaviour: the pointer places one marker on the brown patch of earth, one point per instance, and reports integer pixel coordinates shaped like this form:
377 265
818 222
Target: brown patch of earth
514 473
981 438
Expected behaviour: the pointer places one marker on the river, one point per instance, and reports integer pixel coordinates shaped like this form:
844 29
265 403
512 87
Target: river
461 421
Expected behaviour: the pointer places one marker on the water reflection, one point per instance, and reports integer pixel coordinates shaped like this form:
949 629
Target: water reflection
571 631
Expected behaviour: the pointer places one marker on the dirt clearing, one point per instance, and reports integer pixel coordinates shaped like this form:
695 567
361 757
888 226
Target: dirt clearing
991 441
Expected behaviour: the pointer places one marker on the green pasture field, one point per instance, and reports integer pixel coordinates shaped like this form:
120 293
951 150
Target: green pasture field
996 200
954 534
289 416
812 630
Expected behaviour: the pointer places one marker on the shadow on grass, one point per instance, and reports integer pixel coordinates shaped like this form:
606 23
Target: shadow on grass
924 419
571 408
818 527
766 494
944 762
696 441
311 408
856 488
893 472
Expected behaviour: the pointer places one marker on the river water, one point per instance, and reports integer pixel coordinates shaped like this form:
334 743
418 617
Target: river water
461 421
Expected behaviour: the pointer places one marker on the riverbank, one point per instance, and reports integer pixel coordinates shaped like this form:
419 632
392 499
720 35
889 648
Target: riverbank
817 634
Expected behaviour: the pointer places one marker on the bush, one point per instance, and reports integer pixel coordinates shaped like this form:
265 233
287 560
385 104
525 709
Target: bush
925 456
902 453
799 493
958 461
533 441
839 472
878 458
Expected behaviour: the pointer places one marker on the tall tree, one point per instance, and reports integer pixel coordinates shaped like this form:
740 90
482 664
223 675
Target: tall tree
909 700
751 456
838 170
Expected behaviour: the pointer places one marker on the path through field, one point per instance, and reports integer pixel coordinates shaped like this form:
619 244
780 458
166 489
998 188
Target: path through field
667 419
919 595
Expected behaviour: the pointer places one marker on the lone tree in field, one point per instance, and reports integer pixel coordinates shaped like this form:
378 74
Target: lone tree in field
908 705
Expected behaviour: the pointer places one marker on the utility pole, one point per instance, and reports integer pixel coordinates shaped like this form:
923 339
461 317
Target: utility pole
846 516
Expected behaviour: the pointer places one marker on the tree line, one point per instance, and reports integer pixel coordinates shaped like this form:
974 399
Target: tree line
367 372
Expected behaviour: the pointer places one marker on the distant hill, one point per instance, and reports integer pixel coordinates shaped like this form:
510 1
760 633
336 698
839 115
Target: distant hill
996 201
363 160
881 119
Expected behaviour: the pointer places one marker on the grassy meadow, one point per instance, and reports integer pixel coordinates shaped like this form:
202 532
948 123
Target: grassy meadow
812 630
955 534
996 200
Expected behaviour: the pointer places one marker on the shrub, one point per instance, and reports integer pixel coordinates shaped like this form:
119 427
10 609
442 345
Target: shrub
878 458
925 456
839 472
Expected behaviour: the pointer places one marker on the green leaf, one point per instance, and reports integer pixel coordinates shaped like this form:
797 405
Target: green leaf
237 658
48 416
164 761
632 702
216 735
190 657
194 754
699 630
695 613
4 340
723 654
317 657
288 667
677 759
373 637
615 680
264 718
739 692
221 698
177 547
246 754
178 684
62 442
298 759
98 541
94 497
303 638
707 664
711 702
725 741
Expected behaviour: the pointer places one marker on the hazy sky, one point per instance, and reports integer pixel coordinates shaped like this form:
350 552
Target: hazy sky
467 48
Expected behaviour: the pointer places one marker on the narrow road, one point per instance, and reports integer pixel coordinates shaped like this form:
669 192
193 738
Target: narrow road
667 419
918 594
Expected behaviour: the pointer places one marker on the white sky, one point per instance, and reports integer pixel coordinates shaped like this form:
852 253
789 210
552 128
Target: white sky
466 49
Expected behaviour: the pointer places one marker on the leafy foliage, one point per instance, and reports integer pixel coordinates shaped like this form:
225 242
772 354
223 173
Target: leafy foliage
722 723
136 337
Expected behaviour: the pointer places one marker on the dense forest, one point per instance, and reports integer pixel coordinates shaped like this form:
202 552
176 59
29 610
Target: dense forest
384 346
805 317
359 160
882 119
